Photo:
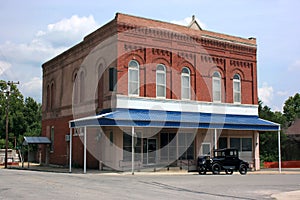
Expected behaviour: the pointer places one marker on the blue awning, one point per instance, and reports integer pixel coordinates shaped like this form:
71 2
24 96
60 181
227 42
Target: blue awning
172 119
36 140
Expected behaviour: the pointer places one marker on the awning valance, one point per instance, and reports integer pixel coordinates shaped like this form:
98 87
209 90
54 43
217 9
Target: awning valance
172 119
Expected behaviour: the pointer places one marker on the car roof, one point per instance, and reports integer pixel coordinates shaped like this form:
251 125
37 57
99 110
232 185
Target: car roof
226 149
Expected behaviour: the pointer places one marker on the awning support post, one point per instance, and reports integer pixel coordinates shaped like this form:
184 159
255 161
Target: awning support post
279 151
84 151
70 152
132 150
215 139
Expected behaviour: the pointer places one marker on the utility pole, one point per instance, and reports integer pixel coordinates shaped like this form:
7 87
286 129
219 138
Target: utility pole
8 92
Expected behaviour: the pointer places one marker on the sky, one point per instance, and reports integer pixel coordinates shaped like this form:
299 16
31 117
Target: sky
33 32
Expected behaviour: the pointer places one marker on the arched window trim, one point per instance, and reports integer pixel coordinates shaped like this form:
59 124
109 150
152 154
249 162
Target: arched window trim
186 74
217 87
133 69
237 91
161 72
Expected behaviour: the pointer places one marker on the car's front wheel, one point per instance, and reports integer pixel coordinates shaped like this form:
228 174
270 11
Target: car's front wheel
202 170
243 169
216 168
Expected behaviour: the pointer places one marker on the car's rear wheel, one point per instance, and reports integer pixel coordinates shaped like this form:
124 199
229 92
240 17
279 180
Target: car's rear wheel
243 169
202 170
216 168
229 171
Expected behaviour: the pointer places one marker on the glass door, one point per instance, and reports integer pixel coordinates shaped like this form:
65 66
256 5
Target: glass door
149 147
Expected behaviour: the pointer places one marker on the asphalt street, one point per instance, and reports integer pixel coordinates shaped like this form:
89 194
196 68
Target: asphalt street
25 184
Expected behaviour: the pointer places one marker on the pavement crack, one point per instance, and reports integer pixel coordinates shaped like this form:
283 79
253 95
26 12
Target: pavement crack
175 188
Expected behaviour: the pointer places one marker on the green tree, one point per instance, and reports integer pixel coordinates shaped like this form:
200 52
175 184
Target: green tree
24 116
291 108
269 140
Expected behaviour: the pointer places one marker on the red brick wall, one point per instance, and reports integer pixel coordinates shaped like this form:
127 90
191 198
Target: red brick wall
60 155
202 66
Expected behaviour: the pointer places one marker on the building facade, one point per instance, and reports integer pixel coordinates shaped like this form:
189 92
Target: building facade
157 92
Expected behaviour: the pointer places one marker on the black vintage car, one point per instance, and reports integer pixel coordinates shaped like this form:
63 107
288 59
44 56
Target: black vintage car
223 160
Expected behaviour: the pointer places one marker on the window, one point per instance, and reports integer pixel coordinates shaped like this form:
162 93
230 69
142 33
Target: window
205 148
216 87
133 78
82 87
112 79
52 139
168 143
161 81
127 141
48 97
222 142
236 88
52 96
241 144
75 89
186 146
185 83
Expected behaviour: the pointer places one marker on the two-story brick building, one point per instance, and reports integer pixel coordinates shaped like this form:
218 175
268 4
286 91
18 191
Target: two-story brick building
154 91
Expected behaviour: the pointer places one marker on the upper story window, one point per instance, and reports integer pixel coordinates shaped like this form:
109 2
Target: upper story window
133 78
75 89
161 81
216 87
82 87
185 84
236 88
112 79
50 96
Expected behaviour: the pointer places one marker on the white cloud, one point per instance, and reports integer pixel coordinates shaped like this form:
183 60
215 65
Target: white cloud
4 66
295 66
266 93
23 60
186 21
32 88
282 93
68 31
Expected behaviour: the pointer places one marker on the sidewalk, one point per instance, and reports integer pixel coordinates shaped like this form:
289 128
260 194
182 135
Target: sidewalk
59 169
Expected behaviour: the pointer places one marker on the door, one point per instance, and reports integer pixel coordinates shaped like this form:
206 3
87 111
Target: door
149 147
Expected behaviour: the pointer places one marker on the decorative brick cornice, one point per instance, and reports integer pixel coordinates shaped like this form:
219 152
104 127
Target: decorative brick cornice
186 55
161 52
130 47
212 59
239 63
204 40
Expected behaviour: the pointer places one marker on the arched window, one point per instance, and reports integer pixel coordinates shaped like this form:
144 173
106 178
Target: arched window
133 78
75 89
236 88
161 81
216 87
82 87
52 96
48 97
185 83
